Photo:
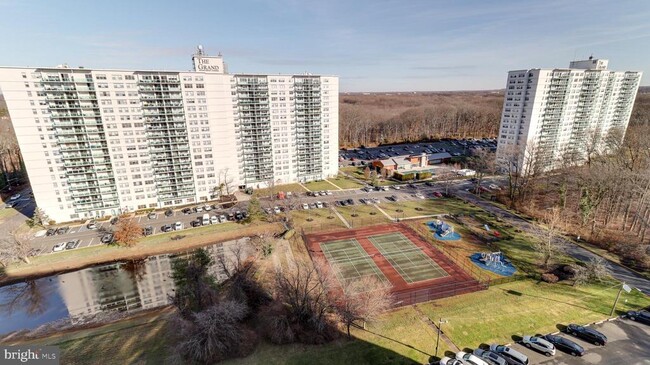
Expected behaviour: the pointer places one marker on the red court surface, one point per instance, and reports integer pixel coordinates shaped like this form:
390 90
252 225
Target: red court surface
455 282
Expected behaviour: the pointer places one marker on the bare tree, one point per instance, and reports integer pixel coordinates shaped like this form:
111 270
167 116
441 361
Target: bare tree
551 244
366 172
15 246
482 161
40 218
594 270
127 232
520 166
364 299
225 183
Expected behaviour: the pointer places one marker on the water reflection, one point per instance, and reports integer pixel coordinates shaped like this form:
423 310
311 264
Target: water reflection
123 286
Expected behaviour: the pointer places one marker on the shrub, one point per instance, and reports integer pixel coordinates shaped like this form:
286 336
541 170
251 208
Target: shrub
423 175
550 278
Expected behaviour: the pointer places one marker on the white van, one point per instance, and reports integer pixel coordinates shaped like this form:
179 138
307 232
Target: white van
206 219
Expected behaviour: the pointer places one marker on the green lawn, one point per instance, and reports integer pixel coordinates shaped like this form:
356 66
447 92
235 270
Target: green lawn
193 232
525 307
345 182
315 219
364 217
319 185
274 190
426 207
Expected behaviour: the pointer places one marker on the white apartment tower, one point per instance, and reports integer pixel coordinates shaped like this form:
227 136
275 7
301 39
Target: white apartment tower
103 142
553 114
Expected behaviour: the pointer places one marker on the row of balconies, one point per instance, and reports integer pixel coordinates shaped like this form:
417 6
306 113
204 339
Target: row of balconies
159 88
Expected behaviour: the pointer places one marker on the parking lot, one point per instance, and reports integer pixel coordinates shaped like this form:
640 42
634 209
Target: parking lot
628 343
453 147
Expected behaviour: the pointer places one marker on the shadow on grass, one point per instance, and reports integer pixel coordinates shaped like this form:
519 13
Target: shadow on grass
516 338
561 327
512 292
393 340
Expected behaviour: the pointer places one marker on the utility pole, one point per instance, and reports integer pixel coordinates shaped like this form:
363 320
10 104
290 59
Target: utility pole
440 322
623 287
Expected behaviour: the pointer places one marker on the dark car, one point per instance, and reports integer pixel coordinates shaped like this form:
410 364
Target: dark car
566 345
114 220
169 213
72 244
196 223
350 202
429 183
62 230
231 216
239 216
166 228
107 238
642 316
187 211
587 334
50 232
147 231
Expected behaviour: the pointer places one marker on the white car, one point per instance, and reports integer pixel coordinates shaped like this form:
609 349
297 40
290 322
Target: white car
207 208
277 210
305 206
469 359
178 226
214 219
319 205
222 218
539 344
14 197
59 247
494 187
328 192
396 187
199 209
419 196
449 361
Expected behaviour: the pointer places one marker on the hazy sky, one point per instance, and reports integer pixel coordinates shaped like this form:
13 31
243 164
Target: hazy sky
373 45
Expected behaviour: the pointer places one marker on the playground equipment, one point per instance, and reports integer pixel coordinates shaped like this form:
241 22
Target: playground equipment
442 230
494 261
492 258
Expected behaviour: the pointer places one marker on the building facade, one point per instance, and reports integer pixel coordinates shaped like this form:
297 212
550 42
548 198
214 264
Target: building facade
103 142
552 117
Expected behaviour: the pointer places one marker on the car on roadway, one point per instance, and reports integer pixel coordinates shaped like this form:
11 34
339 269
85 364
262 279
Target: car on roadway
490 357
147 231
72 244
169 213
107 238
214 219
59 247
91 225
587 334
469 359
15 196
512 356
152 215
642 316
539 344
449 361
566 345
178 226
50 232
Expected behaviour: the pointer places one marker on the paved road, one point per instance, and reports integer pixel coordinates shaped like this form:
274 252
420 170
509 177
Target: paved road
619 272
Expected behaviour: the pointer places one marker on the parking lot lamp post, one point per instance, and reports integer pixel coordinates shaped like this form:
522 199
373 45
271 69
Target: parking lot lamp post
618 296
440 322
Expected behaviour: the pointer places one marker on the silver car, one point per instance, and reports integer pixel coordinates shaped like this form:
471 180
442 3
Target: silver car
539 344
490 357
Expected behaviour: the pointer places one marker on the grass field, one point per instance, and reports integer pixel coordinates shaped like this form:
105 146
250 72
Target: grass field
426 207
319 218
6 213
319 185
345 182
525 307
276 189
364 217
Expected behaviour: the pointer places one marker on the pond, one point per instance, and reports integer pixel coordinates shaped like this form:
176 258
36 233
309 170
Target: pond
80 296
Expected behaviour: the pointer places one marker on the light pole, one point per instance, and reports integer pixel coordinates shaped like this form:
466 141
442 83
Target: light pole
440 323
618 296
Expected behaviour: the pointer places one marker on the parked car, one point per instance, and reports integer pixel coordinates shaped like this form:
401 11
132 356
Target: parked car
11 204
494 187
490 357
152 215
107 238
397 187
178 226
222 218
15 196
565 345
169 213
186 211
328 192
350 202
429 183
198 209
147 231
214 219
59 247
437 194
393 198
449 361
62 230
587 334
196 223
367 189
512 356
91 225
276 210
207 208
72 244
50 232
239 215
319 205
469 359
539 344
418 195
384 188
114 221
231 216
167 228
642 316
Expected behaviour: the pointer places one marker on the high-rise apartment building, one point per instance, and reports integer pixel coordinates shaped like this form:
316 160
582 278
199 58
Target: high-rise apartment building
550 115
102 142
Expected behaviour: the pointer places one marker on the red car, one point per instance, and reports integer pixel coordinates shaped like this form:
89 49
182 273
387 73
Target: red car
437 194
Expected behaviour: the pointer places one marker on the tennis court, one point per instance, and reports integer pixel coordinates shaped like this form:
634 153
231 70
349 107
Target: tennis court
408 259
350 261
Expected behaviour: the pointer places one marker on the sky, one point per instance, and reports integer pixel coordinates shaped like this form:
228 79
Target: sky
372 45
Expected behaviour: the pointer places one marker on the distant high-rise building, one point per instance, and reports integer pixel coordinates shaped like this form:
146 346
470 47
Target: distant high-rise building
103 142
552 116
